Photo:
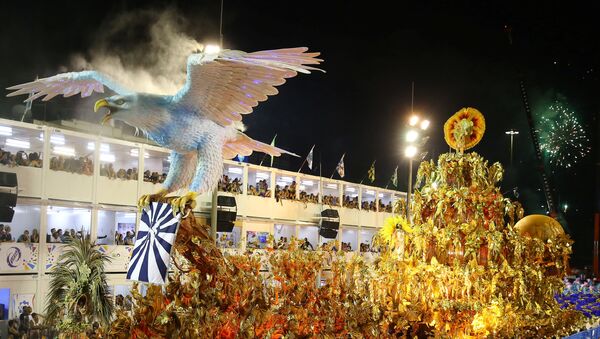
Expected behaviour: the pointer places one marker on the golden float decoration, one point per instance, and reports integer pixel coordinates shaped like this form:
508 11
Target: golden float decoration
464 129
539 226
463 267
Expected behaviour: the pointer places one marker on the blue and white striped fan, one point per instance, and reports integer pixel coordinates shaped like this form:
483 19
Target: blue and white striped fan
150 256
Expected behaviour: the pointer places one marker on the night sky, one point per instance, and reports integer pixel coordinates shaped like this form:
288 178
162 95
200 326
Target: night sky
457 53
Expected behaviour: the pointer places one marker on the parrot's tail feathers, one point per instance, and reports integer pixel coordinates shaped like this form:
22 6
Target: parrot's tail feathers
244 145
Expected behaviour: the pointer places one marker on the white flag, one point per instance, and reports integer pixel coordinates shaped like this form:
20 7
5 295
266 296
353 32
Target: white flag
340 166
273 144
309 158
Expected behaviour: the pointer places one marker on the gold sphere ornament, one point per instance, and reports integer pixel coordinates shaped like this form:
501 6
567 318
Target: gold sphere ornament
539 226
464 129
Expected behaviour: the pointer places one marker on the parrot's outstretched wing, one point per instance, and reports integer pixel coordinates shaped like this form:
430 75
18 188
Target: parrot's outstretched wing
67 84
244 145
224 86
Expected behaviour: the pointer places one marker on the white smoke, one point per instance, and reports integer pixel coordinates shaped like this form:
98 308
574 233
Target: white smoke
145 51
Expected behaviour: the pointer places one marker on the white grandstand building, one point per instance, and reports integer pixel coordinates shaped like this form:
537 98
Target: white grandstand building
55 196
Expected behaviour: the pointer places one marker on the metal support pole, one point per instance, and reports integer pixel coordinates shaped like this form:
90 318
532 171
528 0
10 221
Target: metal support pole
511 148
213 215
412 111
512 134
410 161
221 26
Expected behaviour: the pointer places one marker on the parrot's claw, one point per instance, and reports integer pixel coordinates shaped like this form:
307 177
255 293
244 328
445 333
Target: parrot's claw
179 203
146 199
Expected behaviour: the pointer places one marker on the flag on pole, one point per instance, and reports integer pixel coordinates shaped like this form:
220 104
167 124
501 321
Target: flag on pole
395 177
309 158
340 166
371 173
150 258
264 156
273 144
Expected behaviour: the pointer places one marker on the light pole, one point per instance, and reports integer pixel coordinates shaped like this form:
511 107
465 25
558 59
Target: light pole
512 133
413 140
409 152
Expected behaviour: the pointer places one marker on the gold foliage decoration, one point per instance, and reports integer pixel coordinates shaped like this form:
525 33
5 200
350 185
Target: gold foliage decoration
463 271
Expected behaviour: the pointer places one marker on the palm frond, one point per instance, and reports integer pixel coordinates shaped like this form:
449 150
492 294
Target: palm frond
79 293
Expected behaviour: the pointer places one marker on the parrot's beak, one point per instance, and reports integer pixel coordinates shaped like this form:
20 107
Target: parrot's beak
103 103
99 104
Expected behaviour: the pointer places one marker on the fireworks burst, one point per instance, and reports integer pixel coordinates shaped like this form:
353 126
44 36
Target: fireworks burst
562 137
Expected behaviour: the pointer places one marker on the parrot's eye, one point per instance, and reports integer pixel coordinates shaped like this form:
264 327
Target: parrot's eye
120 102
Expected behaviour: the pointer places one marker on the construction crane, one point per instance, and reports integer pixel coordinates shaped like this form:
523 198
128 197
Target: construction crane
540 165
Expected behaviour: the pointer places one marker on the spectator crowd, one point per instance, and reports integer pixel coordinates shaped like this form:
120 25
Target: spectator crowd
26 237
107 170
228 185
331 200
77 165
28 325
261 189
385 207
125 239
309 197
57 235
282 243
85 166
365 247
287 192
21 158
368 206
124 302
154 177
306 245
350 202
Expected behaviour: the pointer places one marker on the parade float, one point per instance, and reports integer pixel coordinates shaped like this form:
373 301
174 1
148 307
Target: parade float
464 266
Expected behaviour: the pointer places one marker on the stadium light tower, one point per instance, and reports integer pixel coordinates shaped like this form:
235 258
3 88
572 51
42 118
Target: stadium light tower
414 140
512 133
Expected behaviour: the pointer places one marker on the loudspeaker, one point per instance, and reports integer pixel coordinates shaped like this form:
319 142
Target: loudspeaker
226 213
328 233
6 214
332 225
8 198
330 219
226 201
225 226
8 179
330 213
227 216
